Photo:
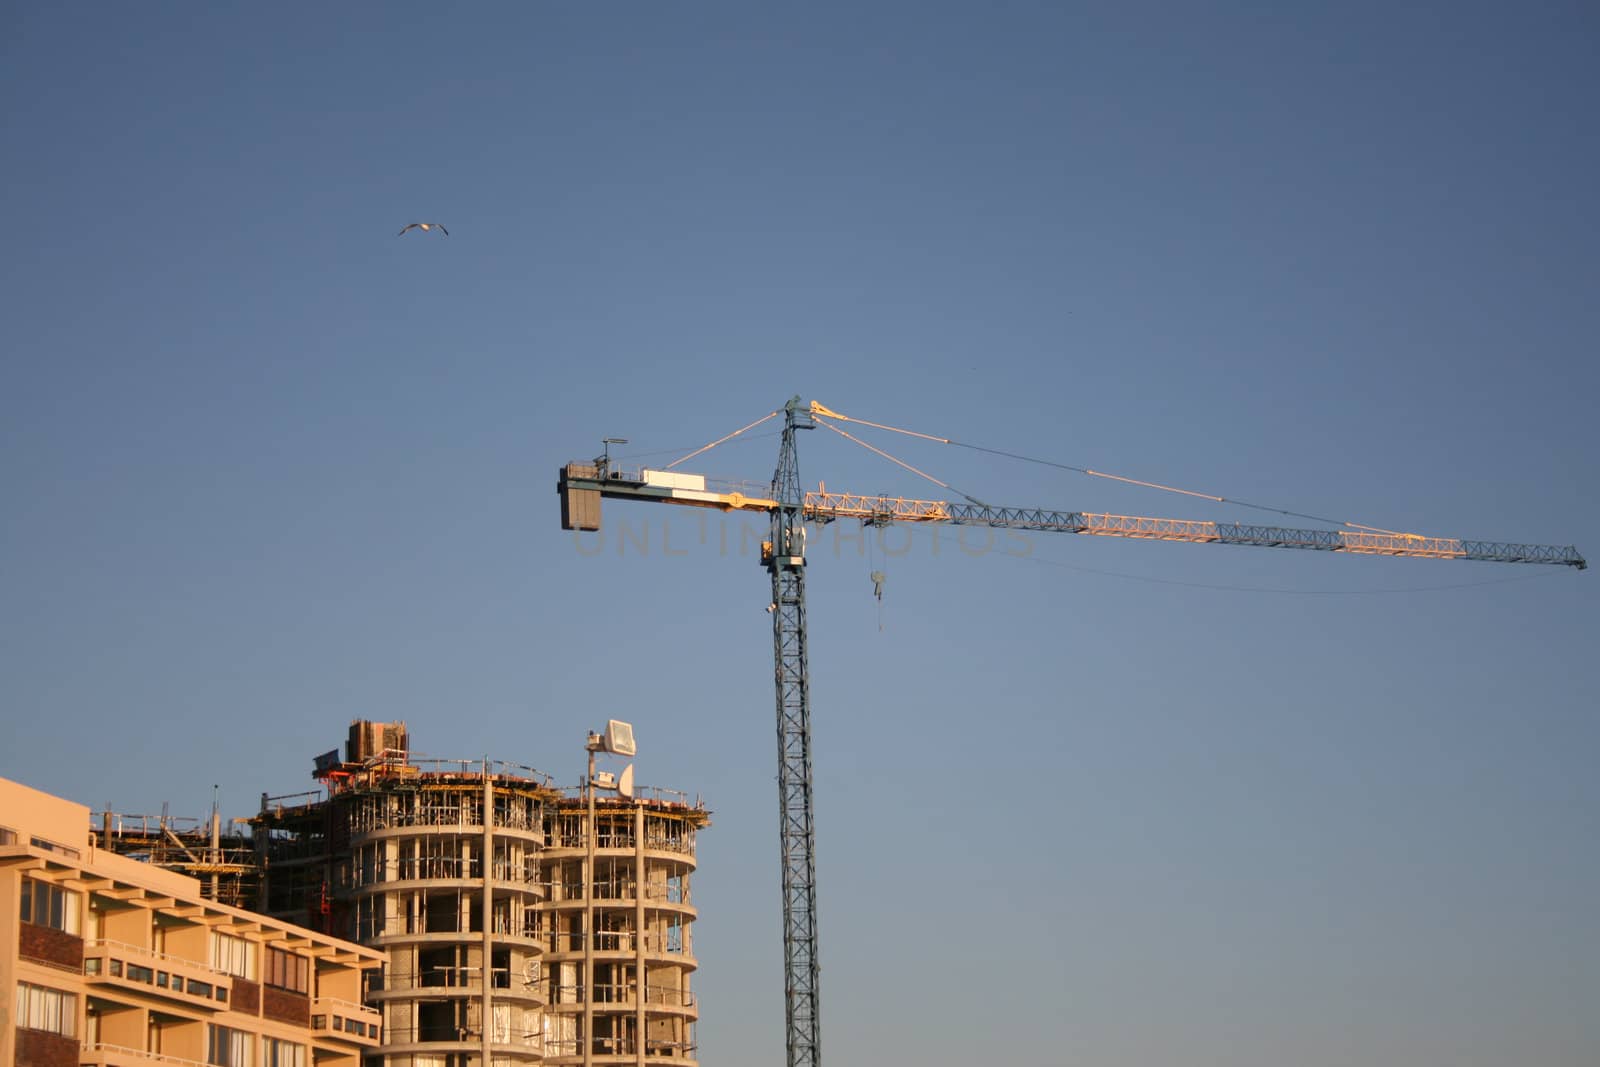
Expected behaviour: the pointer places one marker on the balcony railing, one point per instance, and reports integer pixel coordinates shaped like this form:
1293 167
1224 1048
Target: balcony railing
102 1054
570 1048
126 966
410 925
342 1020
457 978
433 868
669 942
504 1037
622 994
570 891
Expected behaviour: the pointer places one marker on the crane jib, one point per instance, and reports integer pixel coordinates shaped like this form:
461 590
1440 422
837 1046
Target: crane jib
583 485
1360 542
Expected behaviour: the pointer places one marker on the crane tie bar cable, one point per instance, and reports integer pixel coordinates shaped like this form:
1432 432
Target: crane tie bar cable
892 459
718 441
818 408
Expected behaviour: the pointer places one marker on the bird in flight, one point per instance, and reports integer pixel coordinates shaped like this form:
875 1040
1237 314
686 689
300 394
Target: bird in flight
424 227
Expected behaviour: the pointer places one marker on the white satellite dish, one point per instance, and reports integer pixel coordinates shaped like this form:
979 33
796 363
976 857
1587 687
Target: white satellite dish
625 783
619 738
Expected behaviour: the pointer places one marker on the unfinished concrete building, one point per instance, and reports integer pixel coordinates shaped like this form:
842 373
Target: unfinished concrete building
391 853
220 858
627 881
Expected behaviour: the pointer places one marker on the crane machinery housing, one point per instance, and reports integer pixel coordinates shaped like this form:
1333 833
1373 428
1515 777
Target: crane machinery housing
582 486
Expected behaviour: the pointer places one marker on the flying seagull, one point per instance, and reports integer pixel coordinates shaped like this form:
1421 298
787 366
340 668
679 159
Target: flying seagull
424 227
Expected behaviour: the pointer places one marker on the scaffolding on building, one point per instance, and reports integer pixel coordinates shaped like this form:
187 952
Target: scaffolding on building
223 861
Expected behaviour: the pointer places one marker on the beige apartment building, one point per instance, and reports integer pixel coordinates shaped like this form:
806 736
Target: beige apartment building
109 962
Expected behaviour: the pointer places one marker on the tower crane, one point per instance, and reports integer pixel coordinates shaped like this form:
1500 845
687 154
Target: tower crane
583 485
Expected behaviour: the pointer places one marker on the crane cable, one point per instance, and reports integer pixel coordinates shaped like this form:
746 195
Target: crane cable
818 408
718 441
898 462
674 451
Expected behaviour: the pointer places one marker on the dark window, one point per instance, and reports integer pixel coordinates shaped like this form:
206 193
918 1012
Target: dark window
226 1047
285 970
278 1053
49 905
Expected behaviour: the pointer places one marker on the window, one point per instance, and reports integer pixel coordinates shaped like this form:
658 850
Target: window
233 955
287 971
39 1008
52 846
276 1053
227 1047
44 904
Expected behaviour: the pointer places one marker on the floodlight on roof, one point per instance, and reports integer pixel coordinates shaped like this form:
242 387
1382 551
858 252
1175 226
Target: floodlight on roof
619 738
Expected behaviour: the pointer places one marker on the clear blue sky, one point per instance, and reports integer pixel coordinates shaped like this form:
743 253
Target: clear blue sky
267 467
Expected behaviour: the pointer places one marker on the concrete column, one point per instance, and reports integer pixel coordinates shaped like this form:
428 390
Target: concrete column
590 832
487 971
640 885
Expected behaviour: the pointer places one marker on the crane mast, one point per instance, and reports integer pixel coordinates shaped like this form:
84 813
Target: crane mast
784 558
789 508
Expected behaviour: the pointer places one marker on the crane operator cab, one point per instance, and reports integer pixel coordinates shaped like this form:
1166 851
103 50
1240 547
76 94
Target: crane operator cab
794 550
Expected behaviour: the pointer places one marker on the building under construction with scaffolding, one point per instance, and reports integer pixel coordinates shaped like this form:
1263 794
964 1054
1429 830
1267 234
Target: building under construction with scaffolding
522 922
222 860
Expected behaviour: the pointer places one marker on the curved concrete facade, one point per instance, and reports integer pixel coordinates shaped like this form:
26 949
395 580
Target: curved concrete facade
642 1009
413 881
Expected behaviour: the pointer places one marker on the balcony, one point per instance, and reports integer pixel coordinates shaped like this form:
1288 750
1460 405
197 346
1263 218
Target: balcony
522 985
104 1055
343 1021
115 965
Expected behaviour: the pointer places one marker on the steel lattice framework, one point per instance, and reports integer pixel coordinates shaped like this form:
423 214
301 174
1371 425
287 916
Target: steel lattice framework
784 557
825 507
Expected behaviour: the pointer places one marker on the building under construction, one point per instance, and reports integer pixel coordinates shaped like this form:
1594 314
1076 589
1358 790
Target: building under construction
221 859
522 922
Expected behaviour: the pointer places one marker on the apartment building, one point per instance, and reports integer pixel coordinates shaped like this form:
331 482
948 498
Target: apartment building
109 962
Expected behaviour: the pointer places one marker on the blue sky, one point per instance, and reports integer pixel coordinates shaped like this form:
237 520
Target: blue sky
268 467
